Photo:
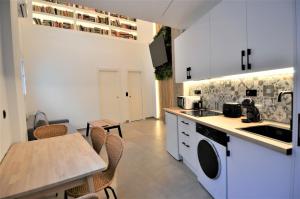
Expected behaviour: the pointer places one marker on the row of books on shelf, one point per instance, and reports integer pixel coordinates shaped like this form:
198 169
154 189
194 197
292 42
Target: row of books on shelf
93 19
83 28
77 6
122 25
123 35
93 30
91 9
62 2
123 17
53 23
51 10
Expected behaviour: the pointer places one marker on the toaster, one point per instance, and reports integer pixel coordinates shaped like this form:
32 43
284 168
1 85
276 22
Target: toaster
232 110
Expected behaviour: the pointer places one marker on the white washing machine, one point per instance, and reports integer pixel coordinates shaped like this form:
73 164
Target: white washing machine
211 160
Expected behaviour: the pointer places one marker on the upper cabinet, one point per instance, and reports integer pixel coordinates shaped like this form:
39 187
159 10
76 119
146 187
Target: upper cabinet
270 33
228 37
192 52
237 37
181 51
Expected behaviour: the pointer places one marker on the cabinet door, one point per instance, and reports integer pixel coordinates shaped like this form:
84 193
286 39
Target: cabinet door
186 131
228 37
172 135
270 33
198 40
257 172
192 49
181 51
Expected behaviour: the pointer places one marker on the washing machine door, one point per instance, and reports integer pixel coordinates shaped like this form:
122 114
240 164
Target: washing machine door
209 159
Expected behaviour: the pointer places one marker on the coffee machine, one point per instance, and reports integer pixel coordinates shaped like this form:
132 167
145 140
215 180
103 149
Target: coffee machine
253 114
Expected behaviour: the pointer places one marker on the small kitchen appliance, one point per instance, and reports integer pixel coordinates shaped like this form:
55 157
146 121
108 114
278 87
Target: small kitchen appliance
187 102
253 114
233 110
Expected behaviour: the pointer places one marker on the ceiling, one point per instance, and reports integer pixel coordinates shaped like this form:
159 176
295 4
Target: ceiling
174 13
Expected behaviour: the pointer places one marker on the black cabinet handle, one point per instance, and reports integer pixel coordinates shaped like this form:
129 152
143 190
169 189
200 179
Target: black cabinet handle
4 114
298 141
185 134
185 144
228 153
185 122
188 73
248 61
242 60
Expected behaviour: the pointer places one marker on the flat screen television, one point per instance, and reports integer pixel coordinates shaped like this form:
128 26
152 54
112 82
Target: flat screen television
158 51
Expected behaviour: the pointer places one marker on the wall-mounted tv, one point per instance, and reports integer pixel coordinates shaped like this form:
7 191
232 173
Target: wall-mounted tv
158 51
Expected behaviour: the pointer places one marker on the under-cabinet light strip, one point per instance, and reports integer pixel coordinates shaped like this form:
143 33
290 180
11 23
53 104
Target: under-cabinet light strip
267 73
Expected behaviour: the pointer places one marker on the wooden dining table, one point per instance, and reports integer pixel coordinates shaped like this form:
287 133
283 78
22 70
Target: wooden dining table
44 167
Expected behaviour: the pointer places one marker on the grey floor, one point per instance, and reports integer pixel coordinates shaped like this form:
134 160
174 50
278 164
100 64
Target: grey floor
147 171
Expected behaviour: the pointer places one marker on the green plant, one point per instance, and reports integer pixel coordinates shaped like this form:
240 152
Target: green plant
164 71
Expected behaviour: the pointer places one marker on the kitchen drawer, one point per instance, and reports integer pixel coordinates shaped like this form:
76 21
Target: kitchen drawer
184 148
184 136
185 125
186 130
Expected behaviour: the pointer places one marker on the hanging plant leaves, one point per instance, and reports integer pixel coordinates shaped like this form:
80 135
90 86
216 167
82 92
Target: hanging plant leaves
164 71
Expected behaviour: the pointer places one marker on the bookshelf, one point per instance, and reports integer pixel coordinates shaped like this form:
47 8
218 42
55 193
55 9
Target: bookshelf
58 14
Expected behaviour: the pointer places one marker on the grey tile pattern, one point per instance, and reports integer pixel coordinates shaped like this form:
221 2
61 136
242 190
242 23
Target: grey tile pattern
217 92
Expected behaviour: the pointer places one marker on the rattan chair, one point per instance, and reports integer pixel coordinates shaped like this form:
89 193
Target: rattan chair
98 137
89 196
102 181
48 131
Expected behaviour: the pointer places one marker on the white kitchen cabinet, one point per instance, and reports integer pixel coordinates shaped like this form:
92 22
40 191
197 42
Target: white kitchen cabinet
237 37
228 37
192 49
270 33
172 135
186 134
257 172
181 51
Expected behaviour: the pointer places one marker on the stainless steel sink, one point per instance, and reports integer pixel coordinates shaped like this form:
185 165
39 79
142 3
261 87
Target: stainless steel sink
274 132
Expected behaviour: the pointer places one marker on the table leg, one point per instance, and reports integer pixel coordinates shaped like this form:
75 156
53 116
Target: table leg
91 184
120 132
87 129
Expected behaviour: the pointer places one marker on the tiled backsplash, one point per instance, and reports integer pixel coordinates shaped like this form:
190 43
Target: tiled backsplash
216 92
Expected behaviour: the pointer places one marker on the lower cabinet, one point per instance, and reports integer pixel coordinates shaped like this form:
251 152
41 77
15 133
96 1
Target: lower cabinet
186 136
257 172
172 135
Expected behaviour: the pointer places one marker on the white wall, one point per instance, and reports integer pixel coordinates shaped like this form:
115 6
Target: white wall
62 66
13 128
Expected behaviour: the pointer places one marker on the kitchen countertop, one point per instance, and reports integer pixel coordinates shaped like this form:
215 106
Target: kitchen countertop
231 126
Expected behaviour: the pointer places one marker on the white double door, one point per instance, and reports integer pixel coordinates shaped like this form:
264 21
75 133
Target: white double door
120 95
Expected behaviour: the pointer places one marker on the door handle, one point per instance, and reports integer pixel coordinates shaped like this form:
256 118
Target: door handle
248 61
298 139
185 134
4 114
242 60
185 122
185 144
188 73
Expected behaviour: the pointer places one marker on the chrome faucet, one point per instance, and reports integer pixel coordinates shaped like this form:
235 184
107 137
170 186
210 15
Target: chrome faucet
279 100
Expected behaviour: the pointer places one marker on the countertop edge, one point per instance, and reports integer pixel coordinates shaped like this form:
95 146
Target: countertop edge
286 151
